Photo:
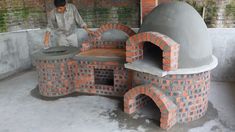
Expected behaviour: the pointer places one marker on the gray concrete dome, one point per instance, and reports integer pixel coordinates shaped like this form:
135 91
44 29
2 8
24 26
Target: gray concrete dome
182 23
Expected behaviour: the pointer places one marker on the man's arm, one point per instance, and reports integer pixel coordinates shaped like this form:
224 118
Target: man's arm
46 39
78 17
80 21
88 30
50 27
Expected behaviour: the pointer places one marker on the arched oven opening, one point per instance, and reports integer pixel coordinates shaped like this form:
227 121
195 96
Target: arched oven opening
153 54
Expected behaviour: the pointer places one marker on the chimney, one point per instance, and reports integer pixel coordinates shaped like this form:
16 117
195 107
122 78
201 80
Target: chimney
147 6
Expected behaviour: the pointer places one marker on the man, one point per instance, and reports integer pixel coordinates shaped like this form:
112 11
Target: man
64 20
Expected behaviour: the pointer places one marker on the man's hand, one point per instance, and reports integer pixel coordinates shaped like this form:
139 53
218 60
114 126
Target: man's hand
46 40
90 33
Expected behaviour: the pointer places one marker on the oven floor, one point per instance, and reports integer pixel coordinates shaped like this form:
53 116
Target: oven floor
103 55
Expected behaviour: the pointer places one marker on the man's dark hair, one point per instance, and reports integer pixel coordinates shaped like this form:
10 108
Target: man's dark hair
59 3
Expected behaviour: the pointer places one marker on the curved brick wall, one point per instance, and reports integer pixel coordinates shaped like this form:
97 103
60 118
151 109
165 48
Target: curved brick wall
55 72
55 77
188 92
134 47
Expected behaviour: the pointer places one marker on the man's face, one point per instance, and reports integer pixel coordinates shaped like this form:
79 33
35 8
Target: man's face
60 9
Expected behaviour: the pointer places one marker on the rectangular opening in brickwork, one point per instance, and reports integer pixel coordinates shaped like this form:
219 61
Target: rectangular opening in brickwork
104 77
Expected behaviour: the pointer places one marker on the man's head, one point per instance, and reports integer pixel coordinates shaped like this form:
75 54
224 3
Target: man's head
60 5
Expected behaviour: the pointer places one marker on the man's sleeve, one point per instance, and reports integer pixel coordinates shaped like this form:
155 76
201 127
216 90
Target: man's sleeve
50 19
78 18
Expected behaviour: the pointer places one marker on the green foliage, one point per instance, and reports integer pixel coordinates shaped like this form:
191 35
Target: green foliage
209 6
196 5
101 10
230 9
124 13
211 11
97 16
3 25
25 13
19 14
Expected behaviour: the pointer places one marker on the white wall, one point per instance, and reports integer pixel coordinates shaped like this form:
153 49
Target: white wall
14 53
223 41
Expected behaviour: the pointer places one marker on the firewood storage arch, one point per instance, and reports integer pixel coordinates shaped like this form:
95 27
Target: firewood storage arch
166 106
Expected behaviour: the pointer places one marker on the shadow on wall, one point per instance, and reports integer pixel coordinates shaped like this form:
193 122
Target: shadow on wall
14 53
224 48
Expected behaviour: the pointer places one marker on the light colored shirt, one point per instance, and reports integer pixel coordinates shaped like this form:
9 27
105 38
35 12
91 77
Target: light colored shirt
65 23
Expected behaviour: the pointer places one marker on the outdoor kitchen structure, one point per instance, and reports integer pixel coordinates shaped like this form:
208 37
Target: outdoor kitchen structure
168 61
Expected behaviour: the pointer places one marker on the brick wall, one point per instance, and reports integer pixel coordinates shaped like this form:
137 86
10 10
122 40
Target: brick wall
56 71
189 92
26 14
21 14
98 12
86 80
56 76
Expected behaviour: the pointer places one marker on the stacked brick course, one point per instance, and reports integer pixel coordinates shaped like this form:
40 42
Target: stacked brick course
56 74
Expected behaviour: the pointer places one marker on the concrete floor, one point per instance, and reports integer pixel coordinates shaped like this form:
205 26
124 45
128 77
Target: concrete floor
23 110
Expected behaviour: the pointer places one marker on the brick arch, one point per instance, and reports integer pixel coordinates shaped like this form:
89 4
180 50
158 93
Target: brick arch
96 40
106 27
134 48
166 106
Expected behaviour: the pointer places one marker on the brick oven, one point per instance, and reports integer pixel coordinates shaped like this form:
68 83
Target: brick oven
168 61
